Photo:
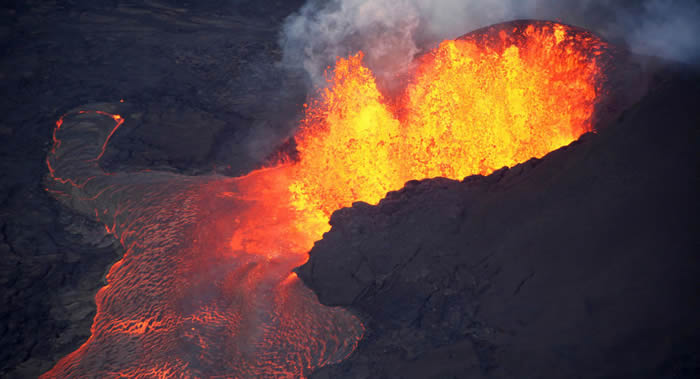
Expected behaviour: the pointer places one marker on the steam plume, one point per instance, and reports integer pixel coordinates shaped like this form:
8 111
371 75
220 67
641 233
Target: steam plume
391 32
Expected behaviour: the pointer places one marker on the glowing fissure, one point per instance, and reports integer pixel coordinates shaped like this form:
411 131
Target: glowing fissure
205 289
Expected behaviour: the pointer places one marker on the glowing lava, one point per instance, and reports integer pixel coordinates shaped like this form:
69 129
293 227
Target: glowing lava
205 289
490 99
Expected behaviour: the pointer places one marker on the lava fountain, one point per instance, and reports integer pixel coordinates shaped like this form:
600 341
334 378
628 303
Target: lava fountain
492 98
206 289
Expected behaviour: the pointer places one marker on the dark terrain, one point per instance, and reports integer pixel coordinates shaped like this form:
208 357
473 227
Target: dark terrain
582 264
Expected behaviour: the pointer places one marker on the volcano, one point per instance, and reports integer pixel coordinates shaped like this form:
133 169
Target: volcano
366 252
205 287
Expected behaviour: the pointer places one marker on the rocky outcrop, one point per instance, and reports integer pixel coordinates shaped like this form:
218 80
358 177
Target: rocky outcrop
581 264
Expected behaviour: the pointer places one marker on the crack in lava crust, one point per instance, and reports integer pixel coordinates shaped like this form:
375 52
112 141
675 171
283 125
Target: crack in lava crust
206 287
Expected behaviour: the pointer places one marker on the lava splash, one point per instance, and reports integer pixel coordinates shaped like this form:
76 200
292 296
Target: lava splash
206 287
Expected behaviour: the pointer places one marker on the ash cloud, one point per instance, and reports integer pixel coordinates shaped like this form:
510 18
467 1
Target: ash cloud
392 32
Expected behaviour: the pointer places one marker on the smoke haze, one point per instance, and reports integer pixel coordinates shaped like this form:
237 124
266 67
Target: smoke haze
392 32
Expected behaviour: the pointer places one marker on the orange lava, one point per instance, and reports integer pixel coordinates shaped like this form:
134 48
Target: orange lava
475 104
204 288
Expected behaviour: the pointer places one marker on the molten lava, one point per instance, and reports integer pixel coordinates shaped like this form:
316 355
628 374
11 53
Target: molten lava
475 104
205 289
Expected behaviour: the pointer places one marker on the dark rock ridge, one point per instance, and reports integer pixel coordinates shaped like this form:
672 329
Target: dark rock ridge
582 264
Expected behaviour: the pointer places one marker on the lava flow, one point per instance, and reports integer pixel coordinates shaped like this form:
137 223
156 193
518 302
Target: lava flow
205 288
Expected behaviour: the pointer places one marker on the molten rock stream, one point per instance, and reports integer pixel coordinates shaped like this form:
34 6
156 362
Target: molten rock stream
205 287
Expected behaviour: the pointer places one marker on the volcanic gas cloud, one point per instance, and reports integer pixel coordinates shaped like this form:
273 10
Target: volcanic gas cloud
205 287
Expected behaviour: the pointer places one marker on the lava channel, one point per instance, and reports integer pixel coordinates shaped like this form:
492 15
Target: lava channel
206 288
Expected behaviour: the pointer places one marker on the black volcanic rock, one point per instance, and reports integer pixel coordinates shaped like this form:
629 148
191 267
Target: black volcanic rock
582 264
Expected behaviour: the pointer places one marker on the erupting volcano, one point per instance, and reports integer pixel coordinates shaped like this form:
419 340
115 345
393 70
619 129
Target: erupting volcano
205 287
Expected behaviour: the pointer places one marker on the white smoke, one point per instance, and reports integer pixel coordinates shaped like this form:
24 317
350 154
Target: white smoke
392 32
670 29
383 29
